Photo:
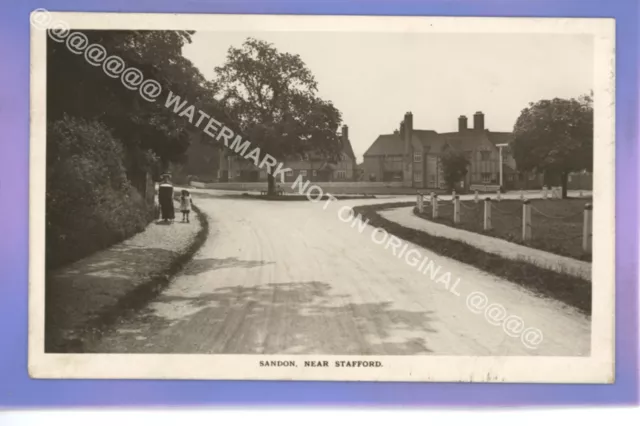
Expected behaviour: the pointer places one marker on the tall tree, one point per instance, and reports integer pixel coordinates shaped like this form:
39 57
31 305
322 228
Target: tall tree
454 167
78 89
555 137
273 96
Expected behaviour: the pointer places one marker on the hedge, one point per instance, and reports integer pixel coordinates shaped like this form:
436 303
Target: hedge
90 203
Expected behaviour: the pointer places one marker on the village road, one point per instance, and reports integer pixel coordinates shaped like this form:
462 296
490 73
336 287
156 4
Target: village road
292 278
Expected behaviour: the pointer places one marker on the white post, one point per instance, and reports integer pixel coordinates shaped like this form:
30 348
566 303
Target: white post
453 194
526 221
586 228
475 197
487 214
521 195
456 209
420 203
500 168
498 195
434 206
544 192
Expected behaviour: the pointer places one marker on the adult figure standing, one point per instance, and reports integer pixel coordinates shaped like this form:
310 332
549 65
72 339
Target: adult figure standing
165 198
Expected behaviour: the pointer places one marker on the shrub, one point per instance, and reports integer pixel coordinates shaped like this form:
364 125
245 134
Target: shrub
90 203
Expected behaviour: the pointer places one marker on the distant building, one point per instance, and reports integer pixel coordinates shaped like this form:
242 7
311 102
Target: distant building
315 168
412 156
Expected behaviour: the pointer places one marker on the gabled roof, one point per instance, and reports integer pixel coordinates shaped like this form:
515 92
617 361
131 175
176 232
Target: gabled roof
348 149
499 137
435 142
386 145
430 140
470 139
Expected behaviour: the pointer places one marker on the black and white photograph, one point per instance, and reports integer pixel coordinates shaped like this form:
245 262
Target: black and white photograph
322 198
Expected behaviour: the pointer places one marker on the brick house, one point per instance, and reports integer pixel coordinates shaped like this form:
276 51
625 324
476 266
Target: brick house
412 156
314 167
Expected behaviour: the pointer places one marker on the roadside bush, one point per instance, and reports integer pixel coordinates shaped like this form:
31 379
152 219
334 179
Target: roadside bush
90 203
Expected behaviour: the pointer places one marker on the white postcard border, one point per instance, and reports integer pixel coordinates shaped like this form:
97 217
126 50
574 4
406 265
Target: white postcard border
596 368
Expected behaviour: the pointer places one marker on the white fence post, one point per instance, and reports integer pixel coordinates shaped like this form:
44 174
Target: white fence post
434 206
433 194
487 214
453 194
544 192
420 203
526 221
586 228
456 209
498 195
476 198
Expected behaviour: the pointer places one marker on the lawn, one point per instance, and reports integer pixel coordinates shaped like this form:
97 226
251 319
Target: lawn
556 225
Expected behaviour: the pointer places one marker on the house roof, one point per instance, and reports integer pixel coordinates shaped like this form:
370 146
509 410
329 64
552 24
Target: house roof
499 137
386 145
435 142
348 149
430 140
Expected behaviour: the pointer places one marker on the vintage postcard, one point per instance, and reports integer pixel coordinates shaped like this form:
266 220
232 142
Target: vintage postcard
346 198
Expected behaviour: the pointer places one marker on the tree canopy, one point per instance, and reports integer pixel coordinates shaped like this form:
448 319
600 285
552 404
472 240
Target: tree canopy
555 137
454 167
273 96
78 89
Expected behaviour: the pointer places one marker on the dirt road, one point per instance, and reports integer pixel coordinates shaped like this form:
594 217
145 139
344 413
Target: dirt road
292 278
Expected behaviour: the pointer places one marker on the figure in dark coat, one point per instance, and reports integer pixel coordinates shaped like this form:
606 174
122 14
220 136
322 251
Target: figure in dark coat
165 198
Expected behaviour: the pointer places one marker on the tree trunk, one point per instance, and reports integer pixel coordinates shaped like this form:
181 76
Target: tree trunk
271 184
565 176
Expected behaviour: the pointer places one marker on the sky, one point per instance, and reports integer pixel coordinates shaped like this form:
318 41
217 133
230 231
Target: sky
374 78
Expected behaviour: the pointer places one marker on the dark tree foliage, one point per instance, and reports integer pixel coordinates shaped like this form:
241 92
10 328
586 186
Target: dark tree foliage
454 167
273 96
78 89
555 137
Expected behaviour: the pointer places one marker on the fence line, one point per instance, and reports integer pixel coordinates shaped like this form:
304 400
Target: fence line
555 217
525 208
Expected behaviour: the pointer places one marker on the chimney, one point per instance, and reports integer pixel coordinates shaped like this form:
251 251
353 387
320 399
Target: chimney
478 121
345 133
402 130
408 132
462 123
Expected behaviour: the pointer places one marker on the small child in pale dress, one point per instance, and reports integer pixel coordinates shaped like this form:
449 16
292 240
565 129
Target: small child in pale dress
185 205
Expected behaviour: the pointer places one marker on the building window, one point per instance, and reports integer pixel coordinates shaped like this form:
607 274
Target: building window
303 173
314 173
238 173
486 177
417 157
417 176
288 173
485 155
341 174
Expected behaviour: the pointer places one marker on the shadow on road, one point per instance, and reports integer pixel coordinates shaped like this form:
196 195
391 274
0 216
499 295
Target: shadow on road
277 318
199 266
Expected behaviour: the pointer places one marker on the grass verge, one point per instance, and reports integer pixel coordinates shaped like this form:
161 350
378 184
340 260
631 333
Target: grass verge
138 297
571 290
556 224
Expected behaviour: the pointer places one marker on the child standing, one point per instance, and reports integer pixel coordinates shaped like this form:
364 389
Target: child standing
185 205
